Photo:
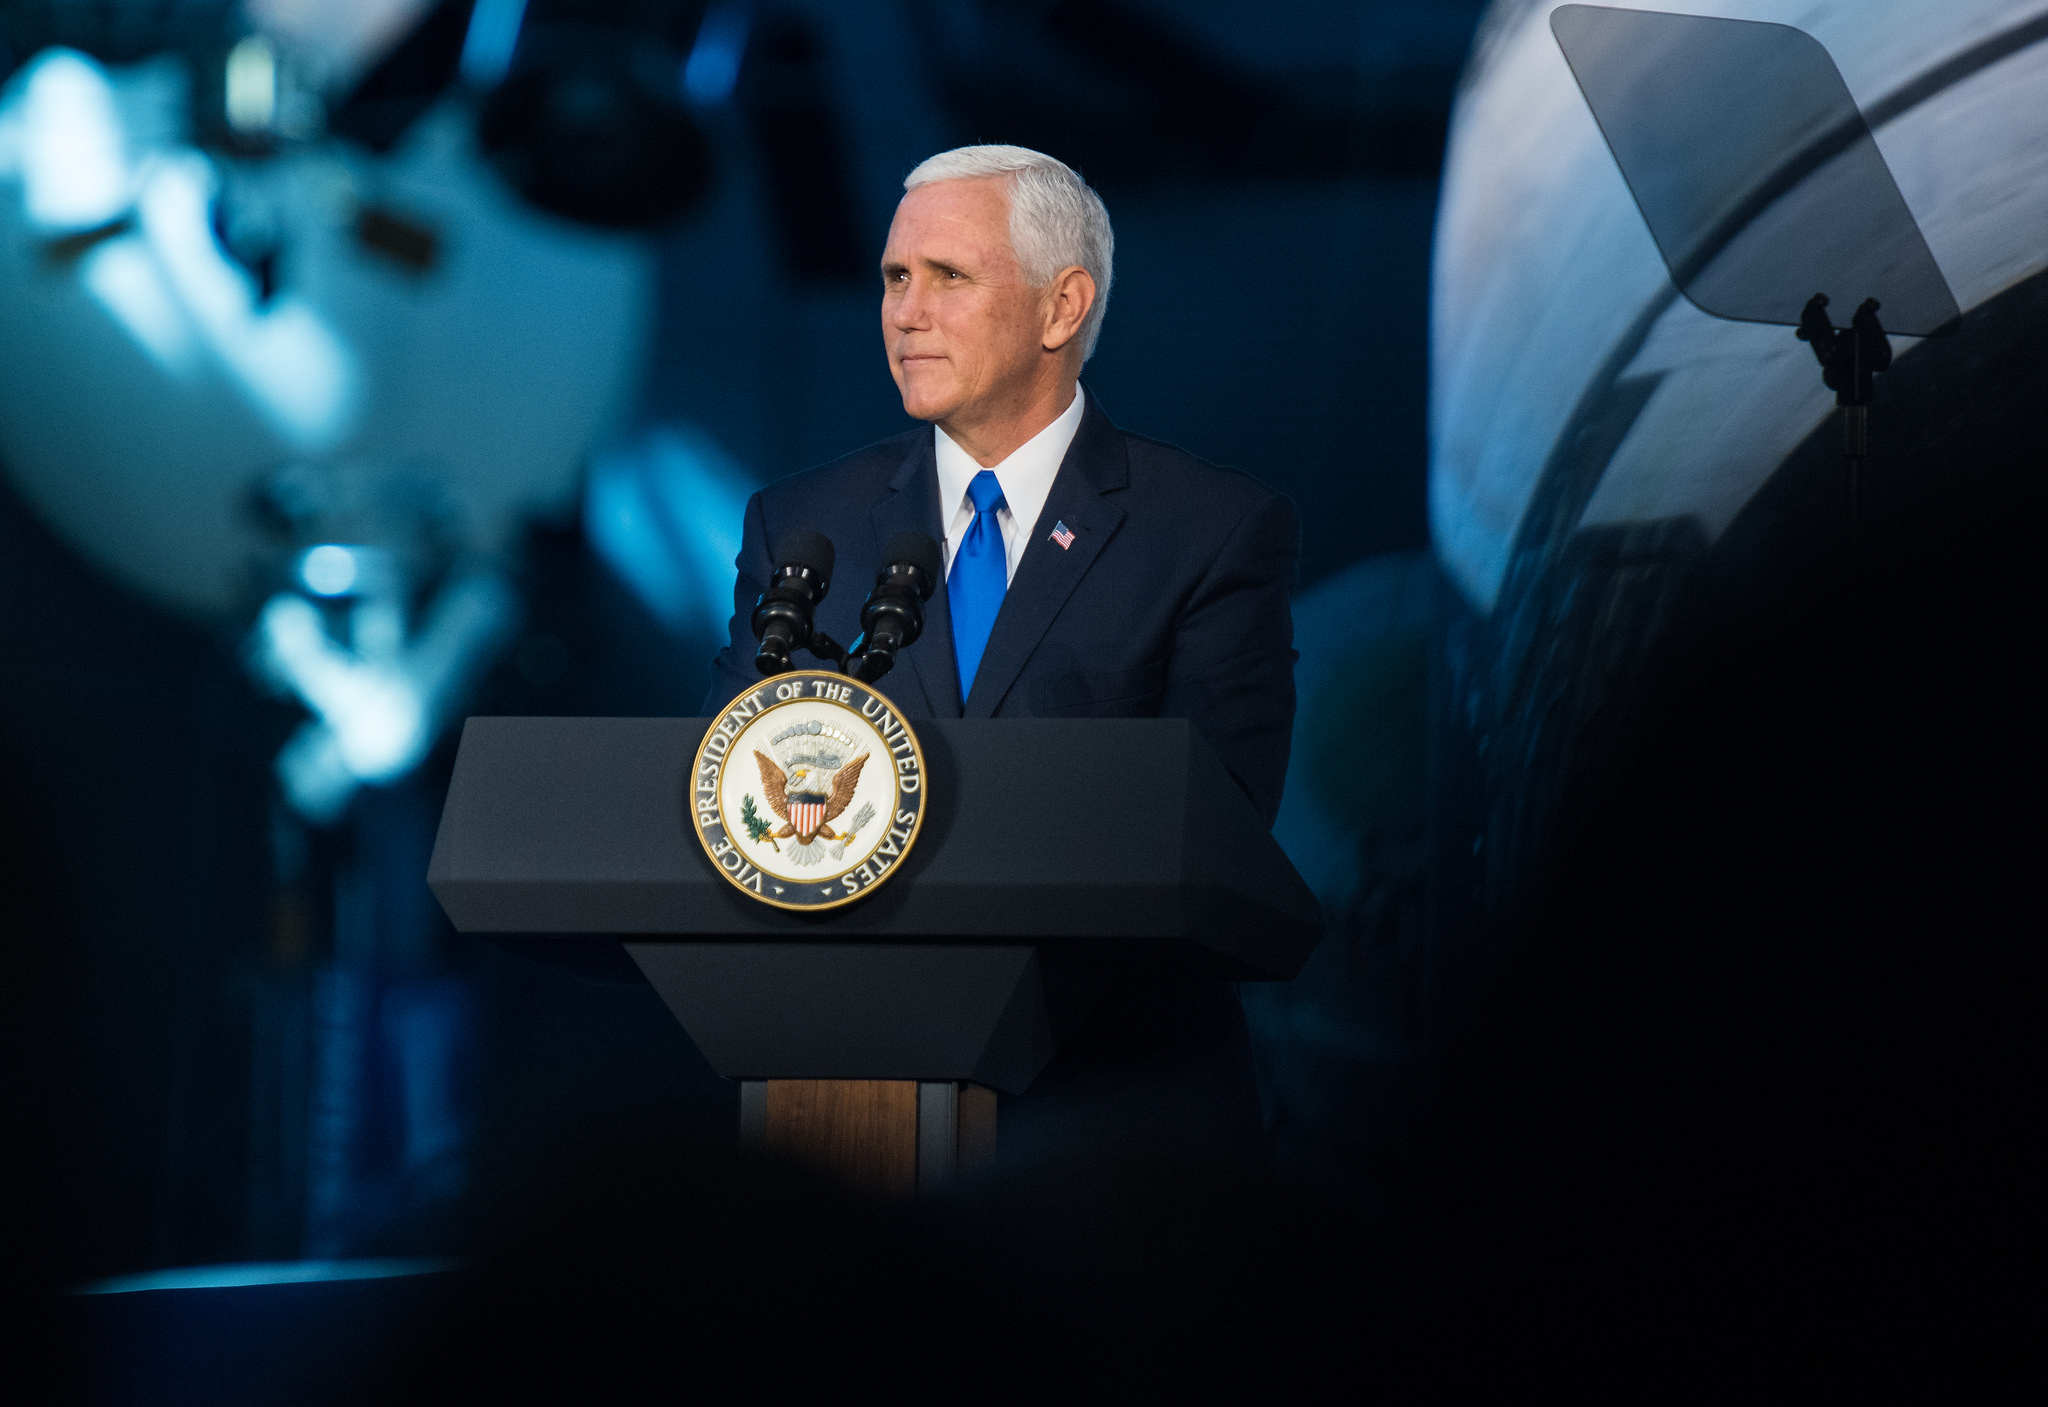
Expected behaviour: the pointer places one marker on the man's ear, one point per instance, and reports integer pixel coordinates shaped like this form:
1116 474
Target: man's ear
1067 300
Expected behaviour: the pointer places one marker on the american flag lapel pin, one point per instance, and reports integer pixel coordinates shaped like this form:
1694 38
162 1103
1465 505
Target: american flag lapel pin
1063 535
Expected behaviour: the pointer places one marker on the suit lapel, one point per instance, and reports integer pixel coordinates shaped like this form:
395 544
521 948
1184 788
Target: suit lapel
1048 573
913 502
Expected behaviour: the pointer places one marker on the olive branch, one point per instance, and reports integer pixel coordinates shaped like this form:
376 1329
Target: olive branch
756 827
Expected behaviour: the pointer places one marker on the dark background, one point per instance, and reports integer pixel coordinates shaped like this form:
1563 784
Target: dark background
1673 1015
1272 182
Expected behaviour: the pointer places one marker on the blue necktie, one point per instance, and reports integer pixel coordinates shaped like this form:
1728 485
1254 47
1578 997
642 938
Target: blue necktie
979 578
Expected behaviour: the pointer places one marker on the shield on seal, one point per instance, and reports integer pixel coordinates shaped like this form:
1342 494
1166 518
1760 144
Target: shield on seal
807 814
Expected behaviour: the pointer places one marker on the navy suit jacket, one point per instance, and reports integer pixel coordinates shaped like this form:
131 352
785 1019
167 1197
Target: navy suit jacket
1172 601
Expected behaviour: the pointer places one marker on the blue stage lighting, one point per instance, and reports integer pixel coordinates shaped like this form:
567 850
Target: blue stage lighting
289 1272
73 162
714 64
250 100
328 570
493 35
665 514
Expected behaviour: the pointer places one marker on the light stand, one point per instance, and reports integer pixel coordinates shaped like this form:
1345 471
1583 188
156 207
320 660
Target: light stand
1850 357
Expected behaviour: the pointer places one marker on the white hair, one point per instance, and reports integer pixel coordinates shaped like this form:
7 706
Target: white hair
1056 220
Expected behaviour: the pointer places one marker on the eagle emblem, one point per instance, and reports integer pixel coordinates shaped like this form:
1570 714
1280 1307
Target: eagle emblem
810 788
832 827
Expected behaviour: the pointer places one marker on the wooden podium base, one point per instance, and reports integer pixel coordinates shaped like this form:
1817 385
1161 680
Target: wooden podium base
889 1137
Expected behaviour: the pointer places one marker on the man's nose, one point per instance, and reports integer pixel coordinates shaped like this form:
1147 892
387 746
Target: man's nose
907 310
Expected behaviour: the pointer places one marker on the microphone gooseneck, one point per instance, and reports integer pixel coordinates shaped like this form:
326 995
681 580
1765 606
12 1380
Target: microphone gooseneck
782 617
893 617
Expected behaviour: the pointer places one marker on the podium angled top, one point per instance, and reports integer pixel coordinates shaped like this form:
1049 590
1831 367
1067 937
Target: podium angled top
1110 834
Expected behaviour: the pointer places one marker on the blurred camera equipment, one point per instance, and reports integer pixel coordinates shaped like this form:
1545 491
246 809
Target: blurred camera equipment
381 627
582 110
893 617
782 617
591 124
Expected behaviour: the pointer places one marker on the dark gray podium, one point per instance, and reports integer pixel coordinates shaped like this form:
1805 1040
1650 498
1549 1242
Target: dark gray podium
1056 856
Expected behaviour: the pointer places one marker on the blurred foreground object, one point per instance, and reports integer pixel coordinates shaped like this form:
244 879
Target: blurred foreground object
379 634
1598 440
184 325
1724 910
285 351
412 309
1750 214
1620 425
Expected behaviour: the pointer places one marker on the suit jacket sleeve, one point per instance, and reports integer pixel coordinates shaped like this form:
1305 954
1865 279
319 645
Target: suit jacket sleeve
732 668
1232 669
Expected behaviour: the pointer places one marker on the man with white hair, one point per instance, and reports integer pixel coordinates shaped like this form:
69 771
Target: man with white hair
1089 572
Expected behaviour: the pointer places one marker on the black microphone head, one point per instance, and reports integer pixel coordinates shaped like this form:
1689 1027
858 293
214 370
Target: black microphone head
918 549
804 548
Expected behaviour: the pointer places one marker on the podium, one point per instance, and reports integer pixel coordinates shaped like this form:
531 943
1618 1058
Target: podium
1058 856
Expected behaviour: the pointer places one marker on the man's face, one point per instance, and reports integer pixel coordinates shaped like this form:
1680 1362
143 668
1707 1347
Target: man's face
963 329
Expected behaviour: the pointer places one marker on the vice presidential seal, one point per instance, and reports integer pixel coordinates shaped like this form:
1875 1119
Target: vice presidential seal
808 790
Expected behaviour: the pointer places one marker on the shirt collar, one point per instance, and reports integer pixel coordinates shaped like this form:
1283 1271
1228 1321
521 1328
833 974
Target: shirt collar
1026 476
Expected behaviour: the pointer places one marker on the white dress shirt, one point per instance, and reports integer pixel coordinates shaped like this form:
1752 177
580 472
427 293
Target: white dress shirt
1026 477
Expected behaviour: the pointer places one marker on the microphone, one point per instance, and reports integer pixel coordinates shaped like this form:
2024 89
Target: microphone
782 617
893 617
